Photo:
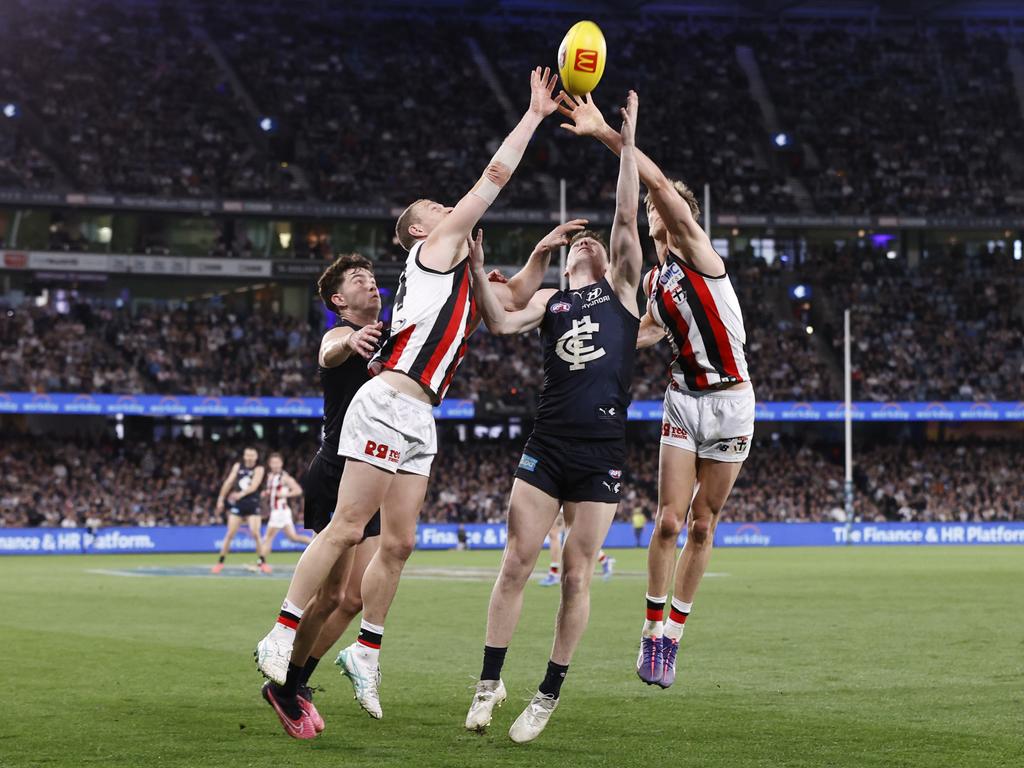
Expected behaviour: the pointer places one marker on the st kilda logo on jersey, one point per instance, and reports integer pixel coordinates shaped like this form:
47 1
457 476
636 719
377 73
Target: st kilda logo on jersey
575 345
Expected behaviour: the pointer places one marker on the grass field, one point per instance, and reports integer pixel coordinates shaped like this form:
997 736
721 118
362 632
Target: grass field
798 657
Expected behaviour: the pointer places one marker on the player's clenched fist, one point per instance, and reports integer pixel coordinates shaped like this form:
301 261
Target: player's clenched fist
364 341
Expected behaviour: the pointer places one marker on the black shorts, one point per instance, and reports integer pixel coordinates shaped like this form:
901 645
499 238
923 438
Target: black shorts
573 469
320 489
244 510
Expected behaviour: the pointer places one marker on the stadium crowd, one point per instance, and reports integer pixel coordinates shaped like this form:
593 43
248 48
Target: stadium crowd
103 482
168 100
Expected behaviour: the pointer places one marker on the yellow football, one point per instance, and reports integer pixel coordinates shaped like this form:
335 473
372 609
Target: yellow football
581 58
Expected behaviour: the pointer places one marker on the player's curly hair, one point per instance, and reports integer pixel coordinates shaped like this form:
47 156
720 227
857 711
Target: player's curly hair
684 192
334 276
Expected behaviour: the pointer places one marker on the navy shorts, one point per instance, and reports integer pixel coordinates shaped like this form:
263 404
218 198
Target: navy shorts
320 489
573 469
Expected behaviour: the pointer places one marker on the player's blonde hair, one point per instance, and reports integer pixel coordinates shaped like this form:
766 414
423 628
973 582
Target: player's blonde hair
407 219
684 192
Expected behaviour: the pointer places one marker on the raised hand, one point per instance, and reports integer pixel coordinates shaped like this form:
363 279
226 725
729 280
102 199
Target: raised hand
364 341
587 118
476 251
629 120
542 86
561 235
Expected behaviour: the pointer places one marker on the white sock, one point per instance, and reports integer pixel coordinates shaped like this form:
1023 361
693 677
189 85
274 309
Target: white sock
288 619
674 629
654 627
369 640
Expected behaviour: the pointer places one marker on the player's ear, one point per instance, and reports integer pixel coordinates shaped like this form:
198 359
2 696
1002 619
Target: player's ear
417 230
338 301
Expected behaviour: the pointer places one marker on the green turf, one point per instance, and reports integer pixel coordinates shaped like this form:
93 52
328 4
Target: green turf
798 657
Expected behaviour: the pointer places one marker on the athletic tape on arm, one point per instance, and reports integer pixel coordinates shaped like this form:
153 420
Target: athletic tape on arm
508 156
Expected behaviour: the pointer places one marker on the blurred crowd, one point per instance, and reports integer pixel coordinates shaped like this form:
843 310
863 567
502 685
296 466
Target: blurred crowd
950 329
334 103
100 482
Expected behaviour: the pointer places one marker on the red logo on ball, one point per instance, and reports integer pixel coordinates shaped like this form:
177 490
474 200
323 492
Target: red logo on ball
586 60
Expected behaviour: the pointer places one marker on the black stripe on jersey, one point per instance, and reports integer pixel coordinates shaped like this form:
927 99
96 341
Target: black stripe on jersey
680 341
441 323
707 333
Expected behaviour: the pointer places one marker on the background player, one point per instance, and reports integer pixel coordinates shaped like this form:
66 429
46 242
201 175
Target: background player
709 404
347 288
281 489
575 456
241 490
389 430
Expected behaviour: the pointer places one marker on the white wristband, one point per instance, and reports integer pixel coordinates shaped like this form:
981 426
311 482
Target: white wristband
487 191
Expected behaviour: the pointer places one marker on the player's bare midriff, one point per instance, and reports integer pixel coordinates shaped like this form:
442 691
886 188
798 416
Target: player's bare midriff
407 385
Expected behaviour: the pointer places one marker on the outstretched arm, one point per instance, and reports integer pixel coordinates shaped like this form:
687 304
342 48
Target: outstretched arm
340 343
626 255
438 252
516 293
498 320
685 234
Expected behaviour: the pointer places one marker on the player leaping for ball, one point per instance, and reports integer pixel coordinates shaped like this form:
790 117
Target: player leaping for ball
389 436
574 458
709 403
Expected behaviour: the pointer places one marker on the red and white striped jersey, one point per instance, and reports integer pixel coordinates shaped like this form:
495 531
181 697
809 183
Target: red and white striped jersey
277 491
430 324
702 319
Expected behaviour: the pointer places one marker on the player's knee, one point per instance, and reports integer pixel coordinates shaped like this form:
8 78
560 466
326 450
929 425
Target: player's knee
669 522
398 547
516 566
576 581
700 530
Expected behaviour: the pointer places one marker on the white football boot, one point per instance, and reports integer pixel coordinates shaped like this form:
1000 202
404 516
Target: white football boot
360 666
531 722
274 652
489 694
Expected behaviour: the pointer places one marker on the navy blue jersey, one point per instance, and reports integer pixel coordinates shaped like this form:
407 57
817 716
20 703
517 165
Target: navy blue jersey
243 482
589 342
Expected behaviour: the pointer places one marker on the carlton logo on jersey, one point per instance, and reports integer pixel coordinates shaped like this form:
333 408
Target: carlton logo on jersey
575 347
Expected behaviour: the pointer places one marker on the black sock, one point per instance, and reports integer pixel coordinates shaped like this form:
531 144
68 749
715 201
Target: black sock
308 669
554 678
220 559
291 683
261 559
494 658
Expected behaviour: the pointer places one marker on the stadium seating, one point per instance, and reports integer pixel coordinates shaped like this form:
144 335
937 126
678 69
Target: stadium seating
51 481
928 124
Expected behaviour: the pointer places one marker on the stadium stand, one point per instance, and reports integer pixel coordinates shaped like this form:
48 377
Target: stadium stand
53 482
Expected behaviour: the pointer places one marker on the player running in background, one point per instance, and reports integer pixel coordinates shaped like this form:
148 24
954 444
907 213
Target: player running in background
241 491
389 436
281 488
575 456
347 288
709 403
553 576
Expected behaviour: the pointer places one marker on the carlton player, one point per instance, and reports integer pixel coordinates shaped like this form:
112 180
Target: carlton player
281 489
347 288
709 404
388 436
241 491
575 456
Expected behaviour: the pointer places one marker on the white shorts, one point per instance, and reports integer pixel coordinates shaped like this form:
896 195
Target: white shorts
389 429
715 425
281 518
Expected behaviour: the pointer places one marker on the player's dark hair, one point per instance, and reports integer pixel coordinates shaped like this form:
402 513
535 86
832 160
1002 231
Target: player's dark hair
406 220
684 192
334 276
251 448
275 454
592 234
